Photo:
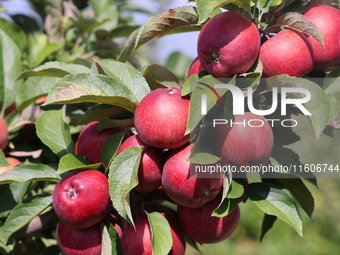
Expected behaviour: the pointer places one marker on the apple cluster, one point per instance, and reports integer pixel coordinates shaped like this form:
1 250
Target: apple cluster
235 50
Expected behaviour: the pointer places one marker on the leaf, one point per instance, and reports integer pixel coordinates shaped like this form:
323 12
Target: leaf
14 32
159 77
33 89
3 160
105 10
319 105
178 63
300 192
335 107
122 179
128 76
285 157
226 205
103 111
274 200
24 212
108 123
123 30
298 22
106 240
55 69
70 162
267 223
156 26
129 46
31 172
11 197
236 190
55 133
206 8
110 148
10 67
5 248
110 238
80 88
39 49
160 233
331 83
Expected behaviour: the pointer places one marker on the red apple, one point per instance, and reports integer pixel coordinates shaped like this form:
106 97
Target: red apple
186 188
204 228
81 199
195 67
243 143
287 52
91 141
327 20
150 167
86 241
13 161
228 44
161 118
138 241
3 133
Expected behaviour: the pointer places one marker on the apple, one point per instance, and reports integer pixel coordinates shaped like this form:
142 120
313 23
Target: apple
113 219
91 141
327 20
137 241
13 161
161 118
81 199
204 228
228 44
150 167
3 133
185 187
195 67
72 241
249 141
287 52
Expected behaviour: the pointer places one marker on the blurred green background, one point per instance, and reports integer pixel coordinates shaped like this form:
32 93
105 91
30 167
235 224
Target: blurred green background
321 234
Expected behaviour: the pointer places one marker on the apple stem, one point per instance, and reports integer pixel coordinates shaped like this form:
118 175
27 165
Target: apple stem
206 194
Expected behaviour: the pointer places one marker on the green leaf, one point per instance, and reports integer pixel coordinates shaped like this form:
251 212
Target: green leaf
105 10
39 49
81 88
319 105
108 123
163 23
298 22
335 107
33 89
331 83
12 195
4 248
122 179
30 172
267 223
10 67
236 189
159 77
110 149
274 200
123 30
106 240
225 204
14 32
160 233
110 239
55 69
206 8
129 46
24 212
55 133
70 162
103 111
3 160
128 76
300 192
226 207
178 63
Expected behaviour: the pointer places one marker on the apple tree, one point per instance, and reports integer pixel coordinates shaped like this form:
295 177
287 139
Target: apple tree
109 146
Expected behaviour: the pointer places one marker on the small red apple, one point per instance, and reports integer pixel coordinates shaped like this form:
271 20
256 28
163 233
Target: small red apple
81 199
137 241
287 52
186 188
195 67
204 228
247 142
327 20
3 133
228 44
161 118
150 167
91 141
13 161
86 241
